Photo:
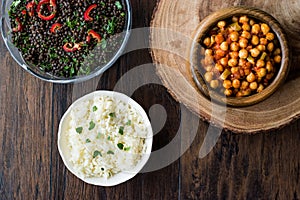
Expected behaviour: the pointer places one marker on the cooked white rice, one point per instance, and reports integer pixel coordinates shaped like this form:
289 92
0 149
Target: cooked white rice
105 136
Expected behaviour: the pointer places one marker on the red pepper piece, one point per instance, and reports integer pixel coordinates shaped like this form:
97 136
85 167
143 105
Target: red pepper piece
69 48
87 12
30 8
53 10
23 12
19 26
55 27
94 34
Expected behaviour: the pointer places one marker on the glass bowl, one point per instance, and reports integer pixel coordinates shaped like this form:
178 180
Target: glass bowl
5 28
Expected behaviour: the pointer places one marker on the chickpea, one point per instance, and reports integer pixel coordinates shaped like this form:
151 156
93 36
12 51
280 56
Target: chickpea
244 85
247 71
254 52
234 36
277 52
262 72
208 52
251 78
221 24
224 46
235 19
270 47
220 53
242 62
214 84
269 67
263 41
246 92
219 38
208 76
255 40
253 86
232 62
261 47
246 27
234 70
260 63
246 34
234 46
270 36
265 28
277 59
236 83
255 29
252 22
224 61
212 40
233 54
243 53
243 43
227 84
207 42
269 76
243 19
239 94
208 60
228 92
219 67
260 88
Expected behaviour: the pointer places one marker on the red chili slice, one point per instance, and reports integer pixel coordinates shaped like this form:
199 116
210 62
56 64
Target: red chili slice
68 47
19 25
55 27
53 10
87 12
94 34
30 8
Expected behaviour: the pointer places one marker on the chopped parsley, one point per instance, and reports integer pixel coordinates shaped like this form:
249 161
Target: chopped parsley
92 125
110 152
128 123
110 27
99 135
120 146
112 114
79 130
95 108
119 5
126 148
108 138
88 140
97 153
121 130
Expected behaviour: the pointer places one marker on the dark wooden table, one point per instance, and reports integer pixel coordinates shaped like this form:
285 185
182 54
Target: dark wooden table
261 166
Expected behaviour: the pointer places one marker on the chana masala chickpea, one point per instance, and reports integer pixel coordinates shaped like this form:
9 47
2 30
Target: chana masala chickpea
241 56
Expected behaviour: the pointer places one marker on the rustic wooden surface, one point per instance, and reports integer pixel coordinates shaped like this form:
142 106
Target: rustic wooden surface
173 28
261 166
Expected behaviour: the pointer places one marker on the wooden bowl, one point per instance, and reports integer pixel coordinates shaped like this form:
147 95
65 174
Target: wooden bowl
208 23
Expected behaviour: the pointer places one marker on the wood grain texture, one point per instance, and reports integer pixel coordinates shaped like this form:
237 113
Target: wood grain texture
263 166
175 23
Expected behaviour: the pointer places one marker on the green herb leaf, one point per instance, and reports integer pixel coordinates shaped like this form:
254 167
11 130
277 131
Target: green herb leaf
121 130
97 153
88 140
120 146
92 125
110 152
126 148
79 130
99 135
128 123
112 114
122 14
108 138
119 5
110 27
102 3
103 43
95 108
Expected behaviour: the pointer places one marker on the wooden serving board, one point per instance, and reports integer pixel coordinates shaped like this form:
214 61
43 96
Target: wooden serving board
172 27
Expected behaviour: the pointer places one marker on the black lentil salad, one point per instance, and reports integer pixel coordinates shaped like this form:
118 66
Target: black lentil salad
67 38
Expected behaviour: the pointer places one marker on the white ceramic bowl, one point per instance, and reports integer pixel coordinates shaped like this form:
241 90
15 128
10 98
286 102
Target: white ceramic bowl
122 176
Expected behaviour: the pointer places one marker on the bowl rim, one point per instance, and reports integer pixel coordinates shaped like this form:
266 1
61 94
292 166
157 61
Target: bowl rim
210 21
122 176
76 79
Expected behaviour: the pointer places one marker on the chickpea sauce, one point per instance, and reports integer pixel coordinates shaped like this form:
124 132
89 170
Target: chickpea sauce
241 56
